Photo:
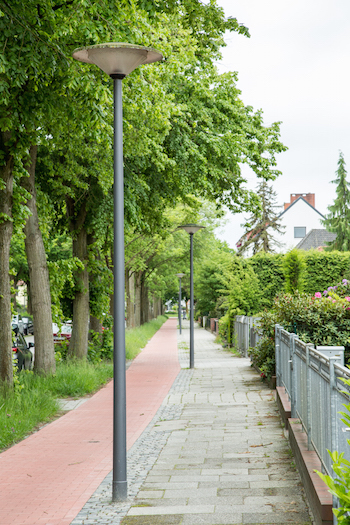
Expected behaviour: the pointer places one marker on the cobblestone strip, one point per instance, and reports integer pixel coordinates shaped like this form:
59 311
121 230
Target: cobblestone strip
99 509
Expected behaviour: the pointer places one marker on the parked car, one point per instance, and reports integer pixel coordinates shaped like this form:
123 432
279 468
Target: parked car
17 323
22 351
28 327
59 335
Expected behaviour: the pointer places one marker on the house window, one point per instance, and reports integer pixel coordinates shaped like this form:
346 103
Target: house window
299 232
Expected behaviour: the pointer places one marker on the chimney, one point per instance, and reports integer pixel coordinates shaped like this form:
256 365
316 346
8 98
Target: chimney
309 197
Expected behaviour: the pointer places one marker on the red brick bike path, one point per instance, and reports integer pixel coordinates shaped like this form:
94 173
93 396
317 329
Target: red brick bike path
47 478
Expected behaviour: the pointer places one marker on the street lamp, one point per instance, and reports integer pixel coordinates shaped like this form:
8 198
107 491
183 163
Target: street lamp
118 60
179 275
191 229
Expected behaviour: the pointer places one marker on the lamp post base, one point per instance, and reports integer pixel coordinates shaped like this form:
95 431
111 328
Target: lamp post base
120 491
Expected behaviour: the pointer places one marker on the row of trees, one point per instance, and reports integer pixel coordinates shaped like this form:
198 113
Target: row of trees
186 134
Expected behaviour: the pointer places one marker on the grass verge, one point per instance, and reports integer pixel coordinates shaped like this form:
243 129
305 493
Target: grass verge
35 399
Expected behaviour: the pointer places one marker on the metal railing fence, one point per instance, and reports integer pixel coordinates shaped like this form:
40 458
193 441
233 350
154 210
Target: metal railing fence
246 333
313 382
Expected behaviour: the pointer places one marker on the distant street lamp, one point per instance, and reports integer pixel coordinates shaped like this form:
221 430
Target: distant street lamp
179 275
191 229
118 60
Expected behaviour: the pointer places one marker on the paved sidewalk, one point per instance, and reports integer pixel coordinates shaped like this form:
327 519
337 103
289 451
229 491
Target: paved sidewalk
214 454
227 460
48 477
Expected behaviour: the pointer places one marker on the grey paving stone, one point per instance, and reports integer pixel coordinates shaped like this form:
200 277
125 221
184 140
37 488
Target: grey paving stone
188 493
184 509
282 518
212 519
171 485
169 502
150 494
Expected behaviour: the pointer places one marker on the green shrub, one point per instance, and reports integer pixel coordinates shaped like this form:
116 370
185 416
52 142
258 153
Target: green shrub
263 355
322 320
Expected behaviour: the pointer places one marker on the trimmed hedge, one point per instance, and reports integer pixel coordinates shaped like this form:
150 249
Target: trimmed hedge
268 269
325 268
322 268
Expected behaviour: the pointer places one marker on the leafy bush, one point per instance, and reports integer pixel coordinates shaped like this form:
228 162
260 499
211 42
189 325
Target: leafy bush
263 355
322 319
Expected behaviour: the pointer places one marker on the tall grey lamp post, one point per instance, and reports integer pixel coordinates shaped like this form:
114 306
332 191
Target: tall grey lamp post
179 275
118 60
191 229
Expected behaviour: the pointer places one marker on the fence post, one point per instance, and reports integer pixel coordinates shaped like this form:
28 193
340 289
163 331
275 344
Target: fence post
308 396
277 354
333 411
293 390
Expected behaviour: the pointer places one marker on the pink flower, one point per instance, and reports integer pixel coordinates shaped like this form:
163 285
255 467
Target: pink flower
334 301
319 295
347 298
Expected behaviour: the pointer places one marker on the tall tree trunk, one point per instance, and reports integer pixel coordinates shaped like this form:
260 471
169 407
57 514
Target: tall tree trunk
155 307
94 280
79 341
144 301
29 300
130 298
95 326
39 279
13 296
160 306
6 227
138 277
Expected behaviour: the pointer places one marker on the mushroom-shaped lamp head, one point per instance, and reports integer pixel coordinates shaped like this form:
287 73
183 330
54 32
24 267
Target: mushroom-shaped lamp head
117 58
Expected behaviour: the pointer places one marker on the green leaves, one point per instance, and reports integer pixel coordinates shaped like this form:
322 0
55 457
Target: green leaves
294 267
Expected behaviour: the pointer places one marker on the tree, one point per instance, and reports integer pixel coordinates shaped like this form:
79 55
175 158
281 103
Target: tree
262 223
338 220
39 280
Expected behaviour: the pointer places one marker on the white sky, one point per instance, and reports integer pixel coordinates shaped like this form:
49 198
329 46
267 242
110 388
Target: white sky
296 68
